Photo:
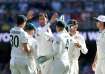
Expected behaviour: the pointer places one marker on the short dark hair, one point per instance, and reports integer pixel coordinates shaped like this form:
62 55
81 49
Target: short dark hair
21 19
72 22
44 14
60 24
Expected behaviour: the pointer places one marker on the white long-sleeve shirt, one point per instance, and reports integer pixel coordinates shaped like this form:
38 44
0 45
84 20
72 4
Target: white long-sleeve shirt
44 38
17 37
74 52
34 47
32 56
61 44
101 45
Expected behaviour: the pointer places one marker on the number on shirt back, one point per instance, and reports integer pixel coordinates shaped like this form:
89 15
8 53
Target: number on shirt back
14 41
67 44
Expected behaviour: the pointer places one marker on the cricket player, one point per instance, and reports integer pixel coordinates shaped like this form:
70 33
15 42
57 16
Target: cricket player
61 44
44 38
32 64
79 45
20 47
100 55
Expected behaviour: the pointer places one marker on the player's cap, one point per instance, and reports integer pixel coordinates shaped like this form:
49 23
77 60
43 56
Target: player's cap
60 24
72 22
21 19
30 26
101 18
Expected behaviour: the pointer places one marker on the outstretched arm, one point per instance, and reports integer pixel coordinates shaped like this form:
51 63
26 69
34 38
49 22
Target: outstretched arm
94 62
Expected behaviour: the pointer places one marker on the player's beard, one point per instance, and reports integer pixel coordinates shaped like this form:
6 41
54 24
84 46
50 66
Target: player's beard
42 25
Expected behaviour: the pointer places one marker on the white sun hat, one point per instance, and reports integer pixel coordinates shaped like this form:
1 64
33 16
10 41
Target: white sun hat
101 18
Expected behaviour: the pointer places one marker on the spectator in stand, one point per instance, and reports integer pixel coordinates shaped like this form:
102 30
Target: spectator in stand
56 5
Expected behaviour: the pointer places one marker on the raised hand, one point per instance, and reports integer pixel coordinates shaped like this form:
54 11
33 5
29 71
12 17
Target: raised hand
54 17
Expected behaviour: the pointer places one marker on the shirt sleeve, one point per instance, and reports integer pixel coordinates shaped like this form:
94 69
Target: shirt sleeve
24 37
84 49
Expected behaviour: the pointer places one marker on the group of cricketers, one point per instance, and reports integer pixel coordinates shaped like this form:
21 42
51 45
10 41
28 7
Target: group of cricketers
39 51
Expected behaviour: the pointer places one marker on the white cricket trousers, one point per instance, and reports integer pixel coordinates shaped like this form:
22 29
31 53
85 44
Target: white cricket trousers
21 69
46 66
58 67
100 66
74 69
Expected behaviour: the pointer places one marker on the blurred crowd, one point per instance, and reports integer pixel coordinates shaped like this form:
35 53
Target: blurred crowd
82 10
